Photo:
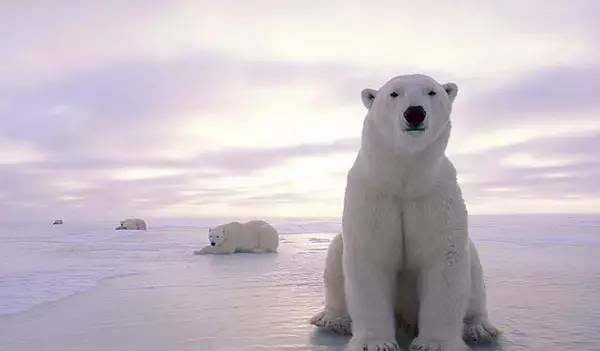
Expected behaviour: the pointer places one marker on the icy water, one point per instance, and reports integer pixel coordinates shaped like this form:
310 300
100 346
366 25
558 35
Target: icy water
88 287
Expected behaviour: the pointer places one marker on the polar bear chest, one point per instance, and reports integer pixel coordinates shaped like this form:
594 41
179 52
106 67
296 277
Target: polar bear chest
434 226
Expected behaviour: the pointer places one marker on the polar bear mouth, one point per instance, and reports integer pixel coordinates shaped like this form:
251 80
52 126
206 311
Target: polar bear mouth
415 130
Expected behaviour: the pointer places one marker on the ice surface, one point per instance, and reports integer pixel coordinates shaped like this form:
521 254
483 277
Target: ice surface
542 278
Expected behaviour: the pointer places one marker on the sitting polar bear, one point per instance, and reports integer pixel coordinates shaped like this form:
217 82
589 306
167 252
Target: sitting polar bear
253 236
132 224
404 258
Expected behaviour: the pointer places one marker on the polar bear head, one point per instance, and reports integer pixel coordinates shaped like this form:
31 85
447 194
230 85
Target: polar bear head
216 235
408 113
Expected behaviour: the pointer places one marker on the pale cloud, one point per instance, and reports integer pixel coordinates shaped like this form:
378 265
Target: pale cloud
536 176
395 36
553 175
18 152
274 122
66 184
525 160
502 189
70 198
476 38
143 173
484 140
516 205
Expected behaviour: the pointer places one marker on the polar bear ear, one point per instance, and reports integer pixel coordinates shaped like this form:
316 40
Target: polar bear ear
451 89
368 96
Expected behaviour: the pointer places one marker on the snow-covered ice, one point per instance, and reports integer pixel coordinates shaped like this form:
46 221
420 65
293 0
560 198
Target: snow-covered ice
542 276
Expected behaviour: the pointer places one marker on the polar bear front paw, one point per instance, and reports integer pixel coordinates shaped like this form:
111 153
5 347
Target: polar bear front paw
334 322
480 332
421 344
372 344
205 250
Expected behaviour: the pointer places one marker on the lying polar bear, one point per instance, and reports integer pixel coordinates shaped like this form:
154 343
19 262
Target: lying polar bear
132 224
253 236
404 258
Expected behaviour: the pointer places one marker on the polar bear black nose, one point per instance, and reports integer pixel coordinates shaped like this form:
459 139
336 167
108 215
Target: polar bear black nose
212 244
414 115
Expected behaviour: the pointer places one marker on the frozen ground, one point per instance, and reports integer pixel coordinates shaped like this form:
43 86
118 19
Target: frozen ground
542 275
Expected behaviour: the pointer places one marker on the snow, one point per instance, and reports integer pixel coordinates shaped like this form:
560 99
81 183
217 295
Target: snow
542 278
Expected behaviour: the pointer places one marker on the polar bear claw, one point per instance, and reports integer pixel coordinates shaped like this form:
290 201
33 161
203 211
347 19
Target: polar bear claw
420 344
373 345
338 324
480 332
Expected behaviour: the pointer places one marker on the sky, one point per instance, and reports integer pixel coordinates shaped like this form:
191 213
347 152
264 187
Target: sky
252 109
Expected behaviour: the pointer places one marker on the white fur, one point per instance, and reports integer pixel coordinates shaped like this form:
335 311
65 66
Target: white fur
132 224
253 236
404 259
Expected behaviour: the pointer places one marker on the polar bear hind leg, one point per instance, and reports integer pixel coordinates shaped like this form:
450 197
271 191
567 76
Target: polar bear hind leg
267 237
334 317
477 327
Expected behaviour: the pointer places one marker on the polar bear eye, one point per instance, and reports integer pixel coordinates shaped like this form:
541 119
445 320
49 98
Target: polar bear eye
394 94
431 93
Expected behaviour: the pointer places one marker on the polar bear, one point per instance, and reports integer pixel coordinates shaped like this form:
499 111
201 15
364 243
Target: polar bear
253 236
132 224
404 259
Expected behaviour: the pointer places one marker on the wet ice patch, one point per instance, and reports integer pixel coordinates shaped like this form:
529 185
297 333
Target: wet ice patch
20 292
319 240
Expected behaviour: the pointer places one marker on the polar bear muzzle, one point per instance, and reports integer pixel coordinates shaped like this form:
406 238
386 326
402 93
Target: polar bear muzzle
414 116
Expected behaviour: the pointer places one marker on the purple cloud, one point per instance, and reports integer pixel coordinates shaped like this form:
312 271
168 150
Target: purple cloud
548 95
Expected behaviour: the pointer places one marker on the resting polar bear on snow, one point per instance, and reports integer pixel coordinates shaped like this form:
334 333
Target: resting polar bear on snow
253 236
405 259
132 224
